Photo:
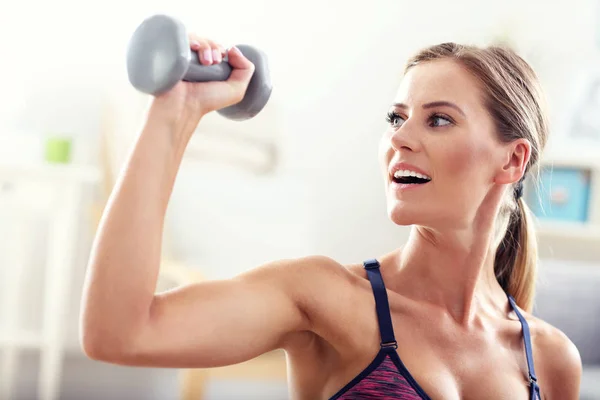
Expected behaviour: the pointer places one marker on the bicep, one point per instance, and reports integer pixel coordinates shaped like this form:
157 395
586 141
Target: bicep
221 322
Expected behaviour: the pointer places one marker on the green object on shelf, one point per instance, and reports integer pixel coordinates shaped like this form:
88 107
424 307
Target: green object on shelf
58 149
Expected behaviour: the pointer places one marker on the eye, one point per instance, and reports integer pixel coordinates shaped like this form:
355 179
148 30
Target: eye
393 119
440 117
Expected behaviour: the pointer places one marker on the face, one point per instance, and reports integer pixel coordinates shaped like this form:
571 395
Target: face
438 126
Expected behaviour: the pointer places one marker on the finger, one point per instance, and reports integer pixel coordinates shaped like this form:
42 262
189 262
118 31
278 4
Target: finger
216 52
202 47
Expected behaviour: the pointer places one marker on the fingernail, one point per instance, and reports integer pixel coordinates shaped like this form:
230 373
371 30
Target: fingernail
207 55
216 55
194 44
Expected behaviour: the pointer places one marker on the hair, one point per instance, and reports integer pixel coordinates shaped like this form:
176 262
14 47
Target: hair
514 99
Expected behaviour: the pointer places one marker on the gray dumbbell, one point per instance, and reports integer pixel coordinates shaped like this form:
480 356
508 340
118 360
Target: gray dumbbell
159 56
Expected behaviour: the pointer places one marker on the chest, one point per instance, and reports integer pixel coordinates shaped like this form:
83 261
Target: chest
444 364
486 376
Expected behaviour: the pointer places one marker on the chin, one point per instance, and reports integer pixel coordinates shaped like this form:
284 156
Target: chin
437 219
404 216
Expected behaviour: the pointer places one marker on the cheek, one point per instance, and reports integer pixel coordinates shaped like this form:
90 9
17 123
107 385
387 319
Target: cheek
459 160
466 163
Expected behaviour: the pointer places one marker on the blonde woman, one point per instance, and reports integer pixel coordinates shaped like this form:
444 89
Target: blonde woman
444 316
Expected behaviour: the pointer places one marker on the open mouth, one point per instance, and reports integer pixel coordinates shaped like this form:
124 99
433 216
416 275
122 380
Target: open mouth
410 178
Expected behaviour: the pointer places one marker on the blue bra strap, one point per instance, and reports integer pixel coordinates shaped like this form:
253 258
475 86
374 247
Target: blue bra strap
527 341
386 329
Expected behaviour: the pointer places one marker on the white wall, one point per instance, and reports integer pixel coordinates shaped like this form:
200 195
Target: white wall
335 67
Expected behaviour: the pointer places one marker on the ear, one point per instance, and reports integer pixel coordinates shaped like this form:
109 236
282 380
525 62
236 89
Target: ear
516 155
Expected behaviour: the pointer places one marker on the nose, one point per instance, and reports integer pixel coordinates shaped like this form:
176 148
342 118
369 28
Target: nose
404 139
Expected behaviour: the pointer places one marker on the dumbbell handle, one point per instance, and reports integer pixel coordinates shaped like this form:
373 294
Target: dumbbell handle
198 72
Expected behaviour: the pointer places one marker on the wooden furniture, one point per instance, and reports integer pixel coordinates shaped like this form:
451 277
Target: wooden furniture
270 366
55 193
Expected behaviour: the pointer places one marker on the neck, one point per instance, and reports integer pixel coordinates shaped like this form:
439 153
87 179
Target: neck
452 271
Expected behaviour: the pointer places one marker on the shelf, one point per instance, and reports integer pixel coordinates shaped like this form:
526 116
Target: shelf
34 341
575 154
50 172
568 230
577 242
21 340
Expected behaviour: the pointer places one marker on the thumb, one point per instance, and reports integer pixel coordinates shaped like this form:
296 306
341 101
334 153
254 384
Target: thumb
242 68
237 59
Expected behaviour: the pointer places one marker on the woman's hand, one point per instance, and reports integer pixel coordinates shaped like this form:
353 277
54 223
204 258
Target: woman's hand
182 107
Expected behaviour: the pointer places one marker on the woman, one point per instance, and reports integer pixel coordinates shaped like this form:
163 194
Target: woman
445 316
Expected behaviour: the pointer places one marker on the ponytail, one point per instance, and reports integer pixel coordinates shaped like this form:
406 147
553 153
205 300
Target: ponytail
515 265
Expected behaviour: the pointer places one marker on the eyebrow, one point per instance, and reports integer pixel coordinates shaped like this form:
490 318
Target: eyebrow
434 104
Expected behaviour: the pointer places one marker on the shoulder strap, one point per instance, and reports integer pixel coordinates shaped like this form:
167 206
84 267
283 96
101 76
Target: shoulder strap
386 329
528 350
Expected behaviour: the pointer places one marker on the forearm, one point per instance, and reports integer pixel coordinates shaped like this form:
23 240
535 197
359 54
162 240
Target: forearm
125 258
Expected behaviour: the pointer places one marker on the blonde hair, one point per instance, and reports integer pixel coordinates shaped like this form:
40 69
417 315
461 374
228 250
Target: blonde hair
514 99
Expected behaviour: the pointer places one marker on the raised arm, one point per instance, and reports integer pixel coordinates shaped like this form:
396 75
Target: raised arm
206 324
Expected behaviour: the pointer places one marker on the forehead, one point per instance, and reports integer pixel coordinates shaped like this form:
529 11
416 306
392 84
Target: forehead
440 80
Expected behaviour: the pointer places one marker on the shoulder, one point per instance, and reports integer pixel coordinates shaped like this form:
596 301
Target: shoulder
311 267
289 269
557 361
302 277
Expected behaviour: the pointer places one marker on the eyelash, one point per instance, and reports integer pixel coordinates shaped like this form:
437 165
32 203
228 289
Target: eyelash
392 115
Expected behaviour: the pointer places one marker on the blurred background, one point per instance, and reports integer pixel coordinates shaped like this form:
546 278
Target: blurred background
300 178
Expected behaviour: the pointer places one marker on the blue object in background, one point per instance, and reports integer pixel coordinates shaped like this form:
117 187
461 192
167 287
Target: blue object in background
563 195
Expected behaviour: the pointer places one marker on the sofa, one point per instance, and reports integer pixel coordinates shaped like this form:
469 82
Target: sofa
568 297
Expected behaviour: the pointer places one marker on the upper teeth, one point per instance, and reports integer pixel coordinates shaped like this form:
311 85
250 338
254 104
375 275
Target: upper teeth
406 173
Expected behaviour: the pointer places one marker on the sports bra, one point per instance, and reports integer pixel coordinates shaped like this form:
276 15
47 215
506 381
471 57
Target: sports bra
387 377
